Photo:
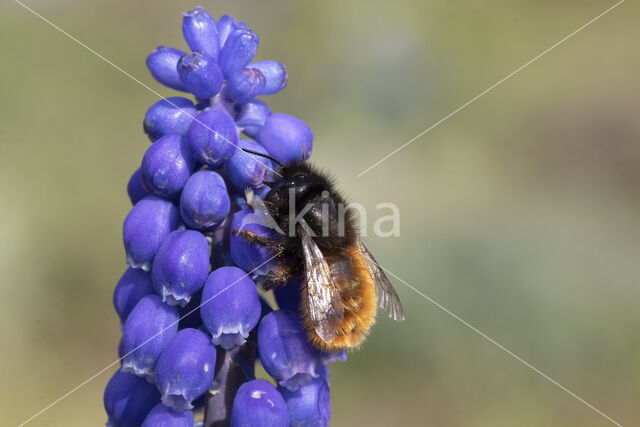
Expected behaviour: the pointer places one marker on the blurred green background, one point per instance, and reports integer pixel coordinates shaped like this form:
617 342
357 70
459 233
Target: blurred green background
521 214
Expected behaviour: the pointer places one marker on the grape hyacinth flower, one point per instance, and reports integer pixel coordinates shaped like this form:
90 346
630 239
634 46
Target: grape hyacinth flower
194 324
170 116
185 369
213 137
232 306
259 404
162 416
128 399
204 202
167 165
284 351
146 226
181 266
147 331
134 284
135 188
310 404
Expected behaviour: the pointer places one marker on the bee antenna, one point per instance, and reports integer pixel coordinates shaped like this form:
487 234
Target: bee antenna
266 156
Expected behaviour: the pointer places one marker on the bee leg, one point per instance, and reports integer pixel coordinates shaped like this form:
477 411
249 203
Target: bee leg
264 241
280 276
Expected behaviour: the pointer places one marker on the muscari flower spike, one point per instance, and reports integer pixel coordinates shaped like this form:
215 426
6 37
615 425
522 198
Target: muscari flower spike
189 296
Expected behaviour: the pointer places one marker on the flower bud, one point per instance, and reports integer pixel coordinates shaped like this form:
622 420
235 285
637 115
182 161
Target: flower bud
167 165
185 369
162 64
239 49
287 138
225 25
246 169
181 266
200 32
249 256
200 74
309 405
275 75
131 288
147 331
161 416
169 116
245 85
258 404
136 189
230 306
204 202
146 226
128 399
284 351
251 116
213 137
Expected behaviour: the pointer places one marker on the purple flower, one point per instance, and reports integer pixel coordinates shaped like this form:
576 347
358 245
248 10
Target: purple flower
146 226
239 49
251 116
131 288
249 170
181 266
284 351
128 399
287 138
162 64
230 306
213 137
249 256
275 75
309 405
147 331
225 25
196 200
169 116
161 416
200 32
135 189
204 202
245 85
167 165
200 74
258 404
185 369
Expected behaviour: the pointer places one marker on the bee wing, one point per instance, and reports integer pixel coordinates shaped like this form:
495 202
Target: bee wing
323 298
385 292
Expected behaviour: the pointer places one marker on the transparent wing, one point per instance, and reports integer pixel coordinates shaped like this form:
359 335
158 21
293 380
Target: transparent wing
323 298
387 296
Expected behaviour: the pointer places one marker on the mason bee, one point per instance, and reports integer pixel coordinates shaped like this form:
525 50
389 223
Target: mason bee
317 240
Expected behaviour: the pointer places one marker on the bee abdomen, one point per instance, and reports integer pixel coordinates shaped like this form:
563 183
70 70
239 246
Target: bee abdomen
360 304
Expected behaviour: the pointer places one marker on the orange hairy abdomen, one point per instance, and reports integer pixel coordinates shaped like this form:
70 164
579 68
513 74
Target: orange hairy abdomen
359 299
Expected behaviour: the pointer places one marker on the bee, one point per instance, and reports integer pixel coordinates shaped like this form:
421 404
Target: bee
317 240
